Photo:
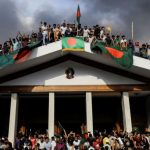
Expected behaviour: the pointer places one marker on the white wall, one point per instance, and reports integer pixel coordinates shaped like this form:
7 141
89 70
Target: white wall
84 75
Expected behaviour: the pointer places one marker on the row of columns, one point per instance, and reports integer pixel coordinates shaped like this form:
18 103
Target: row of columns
51 113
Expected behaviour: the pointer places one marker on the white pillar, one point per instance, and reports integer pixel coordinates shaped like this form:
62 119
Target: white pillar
89 112
13 118
126 112
148 112
51 114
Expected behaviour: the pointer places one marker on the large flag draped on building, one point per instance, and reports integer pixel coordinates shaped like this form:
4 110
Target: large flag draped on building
123 57
17 56
78 15
73 43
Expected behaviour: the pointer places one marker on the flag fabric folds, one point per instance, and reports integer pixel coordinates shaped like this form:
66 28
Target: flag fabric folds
60 131
18 56
73 44
78 15
61 127
123 57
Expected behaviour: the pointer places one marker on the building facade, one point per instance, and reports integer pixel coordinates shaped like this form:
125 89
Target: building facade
74 88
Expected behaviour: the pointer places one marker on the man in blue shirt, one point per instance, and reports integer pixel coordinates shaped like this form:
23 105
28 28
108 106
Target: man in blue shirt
48 145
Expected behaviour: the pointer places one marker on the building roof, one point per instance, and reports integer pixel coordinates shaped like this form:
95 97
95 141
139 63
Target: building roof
52 54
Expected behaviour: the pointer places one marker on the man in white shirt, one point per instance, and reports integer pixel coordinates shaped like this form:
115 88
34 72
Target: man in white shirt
76 143
44 32
53 143
86 32
15 45
123 42
41 143
68 31
137 49
63 29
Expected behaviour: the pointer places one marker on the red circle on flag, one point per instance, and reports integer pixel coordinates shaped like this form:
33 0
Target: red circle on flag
72 41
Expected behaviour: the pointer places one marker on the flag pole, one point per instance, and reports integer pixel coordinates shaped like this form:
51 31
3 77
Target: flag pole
110 30
132 30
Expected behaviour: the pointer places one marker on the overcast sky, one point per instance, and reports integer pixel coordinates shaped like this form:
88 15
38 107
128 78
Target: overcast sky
25 15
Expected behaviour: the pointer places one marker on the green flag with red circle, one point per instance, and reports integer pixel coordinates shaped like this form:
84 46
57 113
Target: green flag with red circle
73 44
124 56
18 56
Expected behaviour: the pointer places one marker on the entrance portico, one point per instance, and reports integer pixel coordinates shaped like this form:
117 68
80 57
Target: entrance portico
45 72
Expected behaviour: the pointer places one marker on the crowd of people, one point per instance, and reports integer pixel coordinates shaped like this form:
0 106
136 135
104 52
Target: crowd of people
75 141
50 33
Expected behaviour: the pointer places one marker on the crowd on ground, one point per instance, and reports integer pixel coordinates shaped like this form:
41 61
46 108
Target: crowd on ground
51 33
75 141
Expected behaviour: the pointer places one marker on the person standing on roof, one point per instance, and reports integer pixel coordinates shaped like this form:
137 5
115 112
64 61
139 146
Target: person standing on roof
44 32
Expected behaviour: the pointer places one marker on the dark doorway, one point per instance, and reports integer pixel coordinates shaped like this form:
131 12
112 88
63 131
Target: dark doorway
107 111
4 114
70 111
138 112
33 112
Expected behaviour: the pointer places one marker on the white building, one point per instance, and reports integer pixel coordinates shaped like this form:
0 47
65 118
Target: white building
100 94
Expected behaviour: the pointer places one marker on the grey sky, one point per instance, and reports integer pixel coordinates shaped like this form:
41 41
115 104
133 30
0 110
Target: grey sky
25 15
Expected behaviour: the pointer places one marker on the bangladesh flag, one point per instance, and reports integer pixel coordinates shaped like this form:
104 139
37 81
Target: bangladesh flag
78 15
18 56
73 43
123 57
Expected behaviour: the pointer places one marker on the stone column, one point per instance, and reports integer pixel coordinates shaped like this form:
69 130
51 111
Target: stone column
148 112
13 118
51 114
89 112
126 112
